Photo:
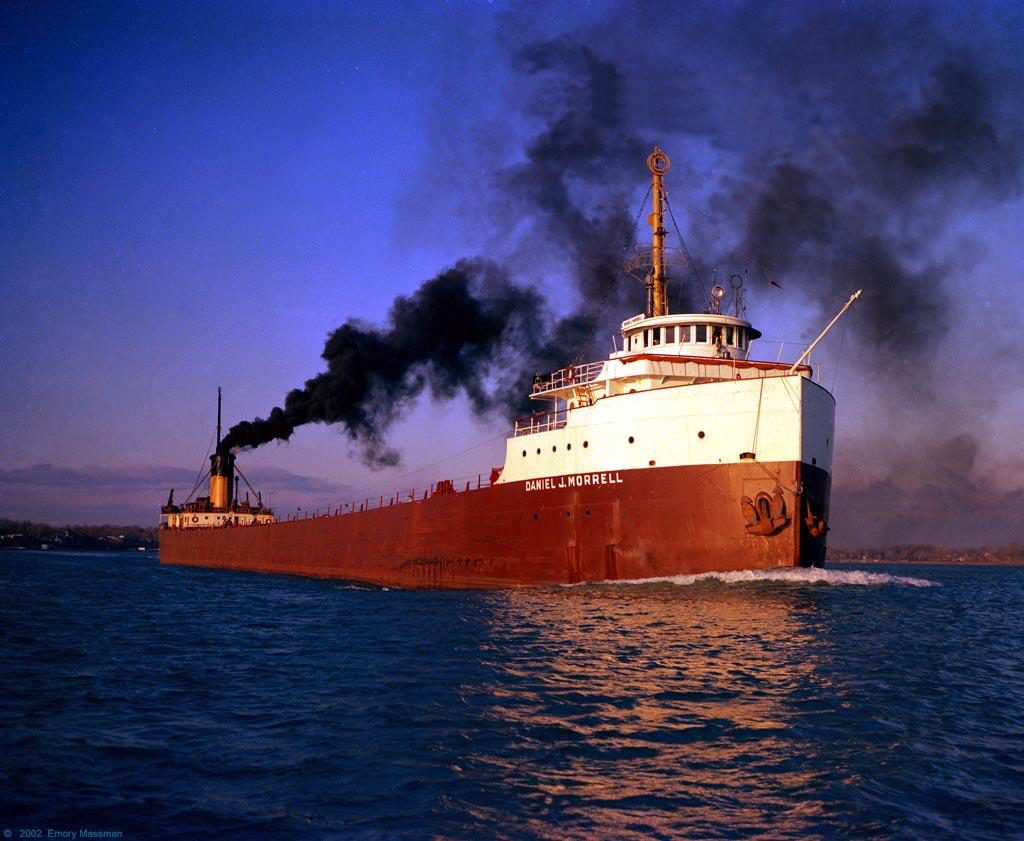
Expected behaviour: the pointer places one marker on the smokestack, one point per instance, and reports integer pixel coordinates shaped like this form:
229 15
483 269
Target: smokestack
222 479
222 469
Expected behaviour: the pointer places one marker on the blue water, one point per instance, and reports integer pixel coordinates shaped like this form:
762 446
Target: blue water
166 702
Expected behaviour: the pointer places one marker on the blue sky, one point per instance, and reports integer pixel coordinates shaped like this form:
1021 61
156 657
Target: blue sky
194 195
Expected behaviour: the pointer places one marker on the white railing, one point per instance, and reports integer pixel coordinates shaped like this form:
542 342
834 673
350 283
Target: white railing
571 375
541 422
782 348
731 369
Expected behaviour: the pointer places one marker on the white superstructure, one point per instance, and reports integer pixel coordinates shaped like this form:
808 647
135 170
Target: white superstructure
683 392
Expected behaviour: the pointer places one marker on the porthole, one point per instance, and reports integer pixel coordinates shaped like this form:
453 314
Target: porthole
631 439
814 461
568 514
535 515
651 463
586 444
538 448
700 434
554 449
524 453
587 512
568 446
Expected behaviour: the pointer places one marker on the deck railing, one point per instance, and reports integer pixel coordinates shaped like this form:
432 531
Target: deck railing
571 375
443 487
541 422
704 370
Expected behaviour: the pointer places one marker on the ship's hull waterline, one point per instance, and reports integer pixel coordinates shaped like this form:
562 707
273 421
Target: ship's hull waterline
622 525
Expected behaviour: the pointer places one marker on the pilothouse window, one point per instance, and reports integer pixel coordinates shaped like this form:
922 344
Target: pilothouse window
702 333
647 337
656 338
684 332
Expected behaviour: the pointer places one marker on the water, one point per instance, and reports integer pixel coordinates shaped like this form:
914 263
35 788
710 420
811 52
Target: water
167 702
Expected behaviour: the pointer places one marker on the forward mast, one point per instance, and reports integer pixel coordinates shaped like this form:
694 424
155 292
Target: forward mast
657 281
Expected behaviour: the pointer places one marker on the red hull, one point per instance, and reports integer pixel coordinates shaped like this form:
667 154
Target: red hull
648 523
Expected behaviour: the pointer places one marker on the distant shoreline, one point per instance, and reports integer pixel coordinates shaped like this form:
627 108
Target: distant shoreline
29 535
951 562
64 548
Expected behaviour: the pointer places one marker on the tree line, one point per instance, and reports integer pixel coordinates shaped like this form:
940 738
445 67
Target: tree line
25 534
1009 553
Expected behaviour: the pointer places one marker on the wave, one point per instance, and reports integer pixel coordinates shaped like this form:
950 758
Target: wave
787 575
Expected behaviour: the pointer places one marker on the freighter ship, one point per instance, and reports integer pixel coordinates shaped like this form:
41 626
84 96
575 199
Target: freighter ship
678 454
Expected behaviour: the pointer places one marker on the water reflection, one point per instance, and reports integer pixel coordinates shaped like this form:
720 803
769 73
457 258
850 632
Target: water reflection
651 710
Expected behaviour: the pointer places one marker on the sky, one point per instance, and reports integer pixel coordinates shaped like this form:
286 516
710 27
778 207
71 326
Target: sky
196 195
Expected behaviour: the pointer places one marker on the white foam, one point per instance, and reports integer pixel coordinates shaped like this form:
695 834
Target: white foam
794 575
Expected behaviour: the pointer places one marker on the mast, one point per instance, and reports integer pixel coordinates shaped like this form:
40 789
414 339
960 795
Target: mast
218 418
657 286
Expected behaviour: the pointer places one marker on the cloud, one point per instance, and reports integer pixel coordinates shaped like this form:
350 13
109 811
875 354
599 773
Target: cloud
95 478
964 514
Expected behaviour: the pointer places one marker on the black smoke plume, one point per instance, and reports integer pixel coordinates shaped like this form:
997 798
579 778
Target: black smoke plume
583 147
577 185
449 336
857 211
444 338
